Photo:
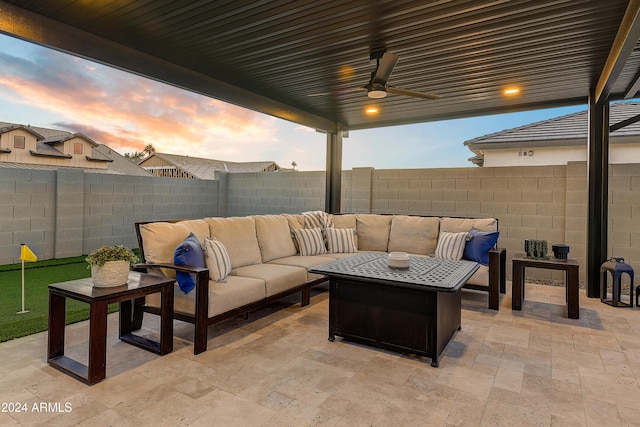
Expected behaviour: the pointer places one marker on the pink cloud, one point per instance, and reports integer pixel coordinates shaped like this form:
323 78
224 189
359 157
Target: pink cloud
128 112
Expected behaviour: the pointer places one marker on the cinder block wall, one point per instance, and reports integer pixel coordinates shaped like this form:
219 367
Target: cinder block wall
541 202
27 212
274 193
69 212
624 214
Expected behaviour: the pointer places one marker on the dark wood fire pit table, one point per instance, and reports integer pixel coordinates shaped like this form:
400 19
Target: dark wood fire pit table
139 285
417 310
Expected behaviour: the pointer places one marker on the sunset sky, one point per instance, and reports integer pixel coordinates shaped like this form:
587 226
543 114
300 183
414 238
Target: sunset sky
46 88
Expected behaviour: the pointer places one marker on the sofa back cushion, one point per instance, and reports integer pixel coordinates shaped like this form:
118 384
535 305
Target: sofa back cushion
373 232
344 221
294 220
414 234
274 237
456 225
238 234
160 239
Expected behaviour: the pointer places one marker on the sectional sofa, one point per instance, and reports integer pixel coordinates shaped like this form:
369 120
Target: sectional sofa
252 261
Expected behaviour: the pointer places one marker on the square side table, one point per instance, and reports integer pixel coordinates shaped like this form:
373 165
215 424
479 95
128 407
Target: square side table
569 266
139 285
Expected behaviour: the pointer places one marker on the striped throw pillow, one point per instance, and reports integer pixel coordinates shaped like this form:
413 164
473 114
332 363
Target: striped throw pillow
317 219
451 245
341 240
217 259
310 241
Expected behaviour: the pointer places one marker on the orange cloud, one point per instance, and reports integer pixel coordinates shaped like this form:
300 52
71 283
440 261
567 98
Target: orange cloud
127 112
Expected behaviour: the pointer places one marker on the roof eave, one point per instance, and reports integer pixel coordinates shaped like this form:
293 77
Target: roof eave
57 156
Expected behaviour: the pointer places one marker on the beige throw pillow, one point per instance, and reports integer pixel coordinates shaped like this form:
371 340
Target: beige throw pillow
341 240
217 259
310 241
451 245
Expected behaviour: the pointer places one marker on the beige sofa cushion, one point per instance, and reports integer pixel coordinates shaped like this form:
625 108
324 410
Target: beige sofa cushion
277 278
235 292
274 237
414 234
295 220
456 225
373 232
480 277
344 221
304 261
160 239
238 234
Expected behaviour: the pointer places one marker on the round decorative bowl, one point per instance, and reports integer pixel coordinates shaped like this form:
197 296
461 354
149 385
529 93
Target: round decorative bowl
560 251
398 260
112 273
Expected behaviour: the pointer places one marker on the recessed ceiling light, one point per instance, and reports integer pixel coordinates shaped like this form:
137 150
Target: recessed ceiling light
371 110
511 91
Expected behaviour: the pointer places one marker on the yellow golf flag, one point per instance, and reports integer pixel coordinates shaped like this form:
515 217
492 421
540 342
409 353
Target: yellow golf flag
26 254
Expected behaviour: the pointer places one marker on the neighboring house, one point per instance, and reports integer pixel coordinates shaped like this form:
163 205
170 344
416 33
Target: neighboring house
558 141
23 146
120 163
176 166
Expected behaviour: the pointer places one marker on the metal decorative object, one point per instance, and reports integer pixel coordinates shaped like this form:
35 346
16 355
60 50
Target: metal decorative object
536 249
560 251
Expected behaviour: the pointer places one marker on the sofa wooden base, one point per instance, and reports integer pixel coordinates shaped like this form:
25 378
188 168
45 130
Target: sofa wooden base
202 323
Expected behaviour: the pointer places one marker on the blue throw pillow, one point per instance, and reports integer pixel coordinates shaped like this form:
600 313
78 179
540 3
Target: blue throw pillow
189 252
477 249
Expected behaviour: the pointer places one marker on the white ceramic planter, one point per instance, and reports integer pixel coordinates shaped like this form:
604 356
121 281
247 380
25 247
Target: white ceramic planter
112 273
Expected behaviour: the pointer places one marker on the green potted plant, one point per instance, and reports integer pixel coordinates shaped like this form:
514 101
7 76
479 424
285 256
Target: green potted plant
110 265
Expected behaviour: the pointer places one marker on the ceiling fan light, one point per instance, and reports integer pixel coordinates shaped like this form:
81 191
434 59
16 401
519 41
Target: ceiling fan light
376 90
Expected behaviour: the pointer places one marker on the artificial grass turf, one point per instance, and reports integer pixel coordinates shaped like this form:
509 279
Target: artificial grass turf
37 277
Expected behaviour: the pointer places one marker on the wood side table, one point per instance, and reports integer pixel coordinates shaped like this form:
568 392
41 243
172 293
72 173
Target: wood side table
139 285
569 266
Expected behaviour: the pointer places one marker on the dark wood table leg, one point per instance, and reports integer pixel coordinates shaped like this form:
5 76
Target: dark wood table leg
97 342
503 271
55 346
138 313
125 311
573 293
166 320
517 286
333 307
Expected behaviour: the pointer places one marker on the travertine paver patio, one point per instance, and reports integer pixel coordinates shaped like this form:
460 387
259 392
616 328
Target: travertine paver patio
534 367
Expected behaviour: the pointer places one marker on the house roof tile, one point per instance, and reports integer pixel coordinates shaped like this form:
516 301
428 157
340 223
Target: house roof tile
569 127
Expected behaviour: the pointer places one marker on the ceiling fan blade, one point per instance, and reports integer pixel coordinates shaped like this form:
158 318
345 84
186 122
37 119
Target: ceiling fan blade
338 92
385 68
397 91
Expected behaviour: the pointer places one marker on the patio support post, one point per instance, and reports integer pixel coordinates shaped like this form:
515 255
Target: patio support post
333 189
598 192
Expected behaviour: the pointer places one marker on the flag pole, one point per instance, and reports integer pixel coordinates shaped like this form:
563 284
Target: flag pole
22 258
23 310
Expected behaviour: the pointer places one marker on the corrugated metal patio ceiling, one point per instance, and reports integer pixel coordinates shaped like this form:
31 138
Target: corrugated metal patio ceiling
284 51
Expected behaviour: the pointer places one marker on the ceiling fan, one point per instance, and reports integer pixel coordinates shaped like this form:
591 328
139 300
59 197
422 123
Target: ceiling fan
378 87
